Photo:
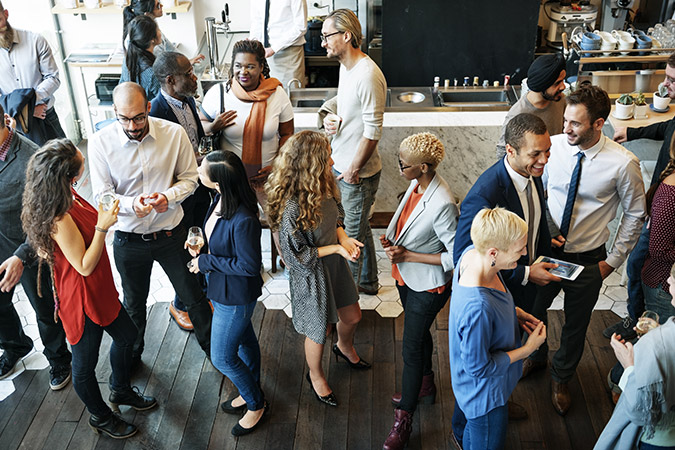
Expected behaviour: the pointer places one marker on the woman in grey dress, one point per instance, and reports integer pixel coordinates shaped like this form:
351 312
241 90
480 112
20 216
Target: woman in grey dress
303 204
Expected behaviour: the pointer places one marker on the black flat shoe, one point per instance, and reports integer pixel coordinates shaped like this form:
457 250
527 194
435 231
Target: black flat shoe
361 365
329 399
131 397
238 430
114 426
228 408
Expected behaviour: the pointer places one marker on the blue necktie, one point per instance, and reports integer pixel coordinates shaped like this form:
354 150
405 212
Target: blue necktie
571 194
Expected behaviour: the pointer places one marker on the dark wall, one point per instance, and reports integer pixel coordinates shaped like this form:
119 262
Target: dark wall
454 39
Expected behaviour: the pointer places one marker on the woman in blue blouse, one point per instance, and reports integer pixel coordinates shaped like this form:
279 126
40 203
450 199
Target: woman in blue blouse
144 36
231 260
485 349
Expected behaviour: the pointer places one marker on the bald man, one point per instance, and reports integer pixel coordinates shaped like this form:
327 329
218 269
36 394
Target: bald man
150 164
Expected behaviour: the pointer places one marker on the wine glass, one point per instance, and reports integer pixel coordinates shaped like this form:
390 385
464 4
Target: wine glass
106 199
195 239
647 322
205 146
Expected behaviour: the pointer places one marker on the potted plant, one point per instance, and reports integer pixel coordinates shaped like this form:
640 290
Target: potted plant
640 111
661 99
624 107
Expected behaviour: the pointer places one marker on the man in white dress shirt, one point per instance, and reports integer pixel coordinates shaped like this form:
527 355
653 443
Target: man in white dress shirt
281 26
150 165
587 176
26 61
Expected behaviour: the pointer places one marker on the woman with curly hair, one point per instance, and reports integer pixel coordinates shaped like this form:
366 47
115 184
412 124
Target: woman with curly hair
144 36
419 242
303 205
69 235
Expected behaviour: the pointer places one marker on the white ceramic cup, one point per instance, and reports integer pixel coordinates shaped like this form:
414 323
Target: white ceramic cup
334 120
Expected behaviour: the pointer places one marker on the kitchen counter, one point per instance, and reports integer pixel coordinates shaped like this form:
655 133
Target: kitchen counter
652 117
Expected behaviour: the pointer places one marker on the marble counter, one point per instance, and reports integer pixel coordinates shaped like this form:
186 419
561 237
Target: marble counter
469 138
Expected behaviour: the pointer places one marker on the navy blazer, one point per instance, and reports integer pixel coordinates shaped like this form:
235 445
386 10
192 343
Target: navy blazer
233 266
160 108
495 188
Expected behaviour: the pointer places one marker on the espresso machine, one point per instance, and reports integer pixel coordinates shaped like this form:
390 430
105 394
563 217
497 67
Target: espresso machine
566 16
614 14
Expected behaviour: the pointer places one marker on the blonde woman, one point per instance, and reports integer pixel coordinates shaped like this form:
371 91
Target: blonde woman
303 206
485 351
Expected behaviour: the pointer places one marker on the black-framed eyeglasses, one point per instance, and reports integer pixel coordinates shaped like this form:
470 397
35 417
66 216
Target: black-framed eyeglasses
138 120
325 37
403 168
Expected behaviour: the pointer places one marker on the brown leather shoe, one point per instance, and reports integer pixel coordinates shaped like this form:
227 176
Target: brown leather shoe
181 318
400 431
530 365
516 411
560 397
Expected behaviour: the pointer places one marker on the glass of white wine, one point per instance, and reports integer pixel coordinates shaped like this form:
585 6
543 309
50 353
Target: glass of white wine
647 322
195 239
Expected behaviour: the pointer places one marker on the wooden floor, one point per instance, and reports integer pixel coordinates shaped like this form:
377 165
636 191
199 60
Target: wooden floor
189 391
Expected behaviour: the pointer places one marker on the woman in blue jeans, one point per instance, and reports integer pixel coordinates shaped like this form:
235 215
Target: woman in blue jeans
419 243
485 350
231 261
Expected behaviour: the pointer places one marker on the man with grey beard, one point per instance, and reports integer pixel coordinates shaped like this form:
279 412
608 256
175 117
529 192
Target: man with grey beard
26 61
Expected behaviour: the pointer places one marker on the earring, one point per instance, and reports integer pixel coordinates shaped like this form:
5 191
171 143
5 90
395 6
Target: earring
492 264
74 184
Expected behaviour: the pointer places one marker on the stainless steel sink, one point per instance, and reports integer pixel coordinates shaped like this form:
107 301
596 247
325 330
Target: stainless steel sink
411 97
478 98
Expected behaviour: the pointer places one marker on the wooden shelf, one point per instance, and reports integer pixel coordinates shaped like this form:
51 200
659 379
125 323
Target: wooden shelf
181 7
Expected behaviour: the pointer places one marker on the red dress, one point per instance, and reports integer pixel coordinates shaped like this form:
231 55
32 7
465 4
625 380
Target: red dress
94 296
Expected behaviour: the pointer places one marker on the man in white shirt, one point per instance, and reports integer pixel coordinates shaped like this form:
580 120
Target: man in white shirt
362 92
26 61
281 26
150 165
588 175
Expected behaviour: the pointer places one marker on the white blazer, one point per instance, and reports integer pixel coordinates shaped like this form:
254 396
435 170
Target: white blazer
429 229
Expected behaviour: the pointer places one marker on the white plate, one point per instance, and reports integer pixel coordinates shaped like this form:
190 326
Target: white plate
622 118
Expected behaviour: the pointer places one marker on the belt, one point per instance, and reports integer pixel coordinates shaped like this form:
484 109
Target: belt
148 237
598 254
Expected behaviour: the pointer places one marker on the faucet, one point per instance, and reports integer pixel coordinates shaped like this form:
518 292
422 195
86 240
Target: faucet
290 84
212 28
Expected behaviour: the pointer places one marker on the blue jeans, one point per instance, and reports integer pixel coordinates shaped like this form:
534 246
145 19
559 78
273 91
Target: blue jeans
235 350
636 259
659 301
357 200
486 432
85 357
421 309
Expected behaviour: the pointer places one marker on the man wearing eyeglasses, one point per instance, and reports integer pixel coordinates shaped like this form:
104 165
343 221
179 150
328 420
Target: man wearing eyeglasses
362 92
658 131
150 164
176 104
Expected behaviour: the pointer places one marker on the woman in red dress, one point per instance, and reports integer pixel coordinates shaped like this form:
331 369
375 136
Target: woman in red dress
69 235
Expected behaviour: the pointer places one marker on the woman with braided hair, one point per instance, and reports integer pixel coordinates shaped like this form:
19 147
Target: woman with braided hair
661 256
69 235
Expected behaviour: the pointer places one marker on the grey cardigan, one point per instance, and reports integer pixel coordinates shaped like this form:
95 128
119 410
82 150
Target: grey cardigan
307 278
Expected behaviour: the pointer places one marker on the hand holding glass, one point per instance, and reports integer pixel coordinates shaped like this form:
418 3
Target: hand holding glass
647 322
106 199
195 239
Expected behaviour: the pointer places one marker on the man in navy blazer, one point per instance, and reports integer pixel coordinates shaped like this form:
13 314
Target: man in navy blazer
505 184
176 103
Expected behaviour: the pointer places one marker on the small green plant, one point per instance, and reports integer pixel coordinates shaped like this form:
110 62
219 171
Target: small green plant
626 99
663 91
639 99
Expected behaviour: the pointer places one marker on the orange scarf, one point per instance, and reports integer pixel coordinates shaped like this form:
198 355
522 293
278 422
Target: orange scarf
251 154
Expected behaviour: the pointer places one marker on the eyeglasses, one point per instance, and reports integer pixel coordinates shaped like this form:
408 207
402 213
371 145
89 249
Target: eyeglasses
138 120
324 37
404 168
670 80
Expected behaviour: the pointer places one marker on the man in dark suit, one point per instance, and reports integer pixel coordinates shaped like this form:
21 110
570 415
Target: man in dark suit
176 103
515 183
18 265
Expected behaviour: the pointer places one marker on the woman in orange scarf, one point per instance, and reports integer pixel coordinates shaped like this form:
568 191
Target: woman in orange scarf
252 112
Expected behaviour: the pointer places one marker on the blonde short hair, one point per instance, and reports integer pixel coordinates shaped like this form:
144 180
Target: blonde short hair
345 20
496 228
423 148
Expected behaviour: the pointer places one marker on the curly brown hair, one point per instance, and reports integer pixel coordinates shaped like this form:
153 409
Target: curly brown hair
302 171
47 195
254 48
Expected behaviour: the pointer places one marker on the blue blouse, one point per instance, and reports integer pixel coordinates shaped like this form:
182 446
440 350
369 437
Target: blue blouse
482 327
148 80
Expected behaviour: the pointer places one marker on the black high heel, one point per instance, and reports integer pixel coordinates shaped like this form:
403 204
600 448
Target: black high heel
360 365
329 399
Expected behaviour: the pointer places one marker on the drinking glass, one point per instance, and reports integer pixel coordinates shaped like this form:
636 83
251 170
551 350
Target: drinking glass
647 322
106 199
205 146
195 239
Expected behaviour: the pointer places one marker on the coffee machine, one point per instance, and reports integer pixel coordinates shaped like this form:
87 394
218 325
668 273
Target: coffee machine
565 17
614 13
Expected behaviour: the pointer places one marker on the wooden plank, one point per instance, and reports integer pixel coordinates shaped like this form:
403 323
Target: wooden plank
72 407
22 417
442 378
84 438
279 435
59 436
289 377
11 403
384 385
37 433
335 421
204 409
578 420
431 421
361 410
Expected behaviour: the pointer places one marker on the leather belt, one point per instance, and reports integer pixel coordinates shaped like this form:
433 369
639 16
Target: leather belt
148 237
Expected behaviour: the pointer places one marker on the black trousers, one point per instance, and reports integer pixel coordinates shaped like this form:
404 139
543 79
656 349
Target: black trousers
12 338
134 258
581 296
